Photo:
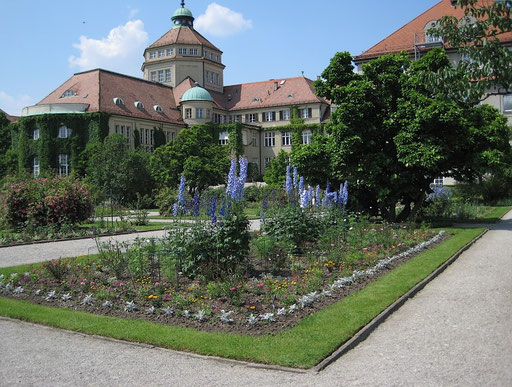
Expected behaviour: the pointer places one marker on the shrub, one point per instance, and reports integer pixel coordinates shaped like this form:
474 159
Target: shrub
45 202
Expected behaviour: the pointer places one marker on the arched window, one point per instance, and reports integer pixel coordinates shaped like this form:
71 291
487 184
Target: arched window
429 38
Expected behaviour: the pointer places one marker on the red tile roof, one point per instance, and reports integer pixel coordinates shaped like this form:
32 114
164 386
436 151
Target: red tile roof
183 35
275 92
404 38
9 117
98 88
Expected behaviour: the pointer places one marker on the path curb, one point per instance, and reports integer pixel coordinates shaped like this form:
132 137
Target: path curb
372 325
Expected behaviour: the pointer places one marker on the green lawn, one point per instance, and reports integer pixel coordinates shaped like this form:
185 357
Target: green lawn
302 346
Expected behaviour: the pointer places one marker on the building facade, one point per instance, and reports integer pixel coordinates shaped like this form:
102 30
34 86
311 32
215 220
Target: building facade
183 85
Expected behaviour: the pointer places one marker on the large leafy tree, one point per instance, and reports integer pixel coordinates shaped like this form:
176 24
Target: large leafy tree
478 37
393 133
195 154
118 172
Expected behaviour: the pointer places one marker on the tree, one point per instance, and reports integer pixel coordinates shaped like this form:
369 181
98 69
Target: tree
8 159
312 160
486 61
119 172
193 153
275 173
393 133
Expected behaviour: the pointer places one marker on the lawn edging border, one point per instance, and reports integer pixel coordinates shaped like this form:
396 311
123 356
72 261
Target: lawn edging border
372 325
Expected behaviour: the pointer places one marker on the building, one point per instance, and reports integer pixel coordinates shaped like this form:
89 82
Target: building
182 85
415 39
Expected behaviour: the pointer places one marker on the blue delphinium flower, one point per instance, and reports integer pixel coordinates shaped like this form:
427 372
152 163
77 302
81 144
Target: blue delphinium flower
195 208
230 188
295 177
213 207
288 181
303 199
310 195
181 192
262 217
222 211
301 184
318 198
175 210
344 194
265 203
240 181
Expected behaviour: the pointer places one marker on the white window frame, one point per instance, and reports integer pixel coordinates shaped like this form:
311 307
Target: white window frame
193 51
223 138
286 139
286 115
306 137
153 76
35 135
64 132
161 53
270 139
182 51
169 51
167 75
304 113
161 76
199 113
270 116
188 113
253 117
63 162
254 141
35 166
152 54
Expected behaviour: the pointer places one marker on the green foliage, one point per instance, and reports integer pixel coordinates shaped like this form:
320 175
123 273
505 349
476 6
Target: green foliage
44 202
478 41
56 268
393 133
86 128
195 154
313 160
339 73
158 136
7 153
292 226
120 173
112 255
275 173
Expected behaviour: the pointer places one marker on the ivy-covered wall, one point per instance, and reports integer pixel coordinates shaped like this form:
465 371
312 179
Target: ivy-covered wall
86 129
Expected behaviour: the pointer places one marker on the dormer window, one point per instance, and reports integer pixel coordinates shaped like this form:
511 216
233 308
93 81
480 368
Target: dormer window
429 38
139 105
158 109
68 93
256 99
118 101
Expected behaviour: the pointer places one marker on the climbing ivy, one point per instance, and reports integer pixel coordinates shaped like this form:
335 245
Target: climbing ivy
86 129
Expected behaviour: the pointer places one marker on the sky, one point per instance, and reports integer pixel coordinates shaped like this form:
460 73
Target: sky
43 43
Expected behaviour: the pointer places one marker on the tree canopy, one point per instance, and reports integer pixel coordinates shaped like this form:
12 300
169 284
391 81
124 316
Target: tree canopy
393 133
195 154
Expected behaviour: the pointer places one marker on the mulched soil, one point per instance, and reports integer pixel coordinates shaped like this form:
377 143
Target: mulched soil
213 324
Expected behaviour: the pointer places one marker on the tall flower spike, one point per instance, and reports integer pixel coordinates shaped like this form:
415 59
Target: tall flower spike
181 192
295 177
195 208
230 189
318 199
301 184
240 181
288 181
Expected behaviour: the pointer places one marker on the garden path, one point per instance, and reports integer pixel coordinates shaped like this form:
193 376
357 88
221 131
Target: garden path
456 331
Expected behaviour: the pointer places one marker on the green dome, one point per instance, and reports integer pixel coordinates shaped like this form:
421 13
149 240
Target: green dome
182 11
196 93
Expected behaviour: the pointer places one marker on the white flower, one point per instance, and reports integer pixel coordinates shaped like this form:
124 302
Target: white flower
37 292
168 311
252 320
151 310
186 314
293 308
51 295
200 315
225 316
269 317
281 312
19 290
107 304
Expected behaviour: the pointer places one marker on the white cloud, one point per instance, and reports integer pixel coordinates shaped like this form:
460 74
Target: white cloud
120 51
221 21
14 104
133 12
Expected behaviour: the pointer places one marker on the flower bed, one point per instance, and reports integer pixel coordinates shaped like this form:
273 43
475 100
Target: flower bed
255 303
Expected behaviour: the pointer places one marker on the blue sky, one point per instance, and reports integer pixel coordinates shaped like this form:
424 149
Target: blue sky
44 42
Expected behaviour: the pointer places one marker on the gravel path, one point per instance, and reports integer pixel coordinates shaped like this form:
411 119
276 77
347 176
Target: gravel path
457 331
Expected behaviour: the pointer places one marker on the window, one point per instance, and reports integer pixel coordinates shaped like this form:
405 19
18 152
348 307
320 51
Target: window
306 137
223 138
286 138
270 116
152 54
270 139
193 51
208 113
188 113
139 105
35 135
199 112
217 79
158 109
170 51
68 93
267 161
168 75
182 51
429 38
118 101
438 182
161 53
153 76
306 113
35 166
284 115
160 75
63 165
64 132
237 118
507 104
254 140
253 117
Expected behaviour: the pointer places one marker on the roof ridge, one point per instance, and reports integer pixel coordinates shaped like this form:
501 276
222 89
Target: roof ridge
270 80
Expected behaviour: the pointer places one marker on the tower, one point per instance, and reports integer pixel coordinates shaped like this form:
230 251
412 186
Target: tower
183 52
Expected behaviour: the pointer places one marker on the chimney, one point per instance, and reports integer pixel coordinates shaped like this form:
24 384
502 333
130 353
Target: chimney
276 86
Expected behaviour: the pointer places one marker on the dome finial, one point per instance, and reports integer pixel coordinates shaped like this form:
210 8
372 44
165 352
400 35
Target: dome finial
182 3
